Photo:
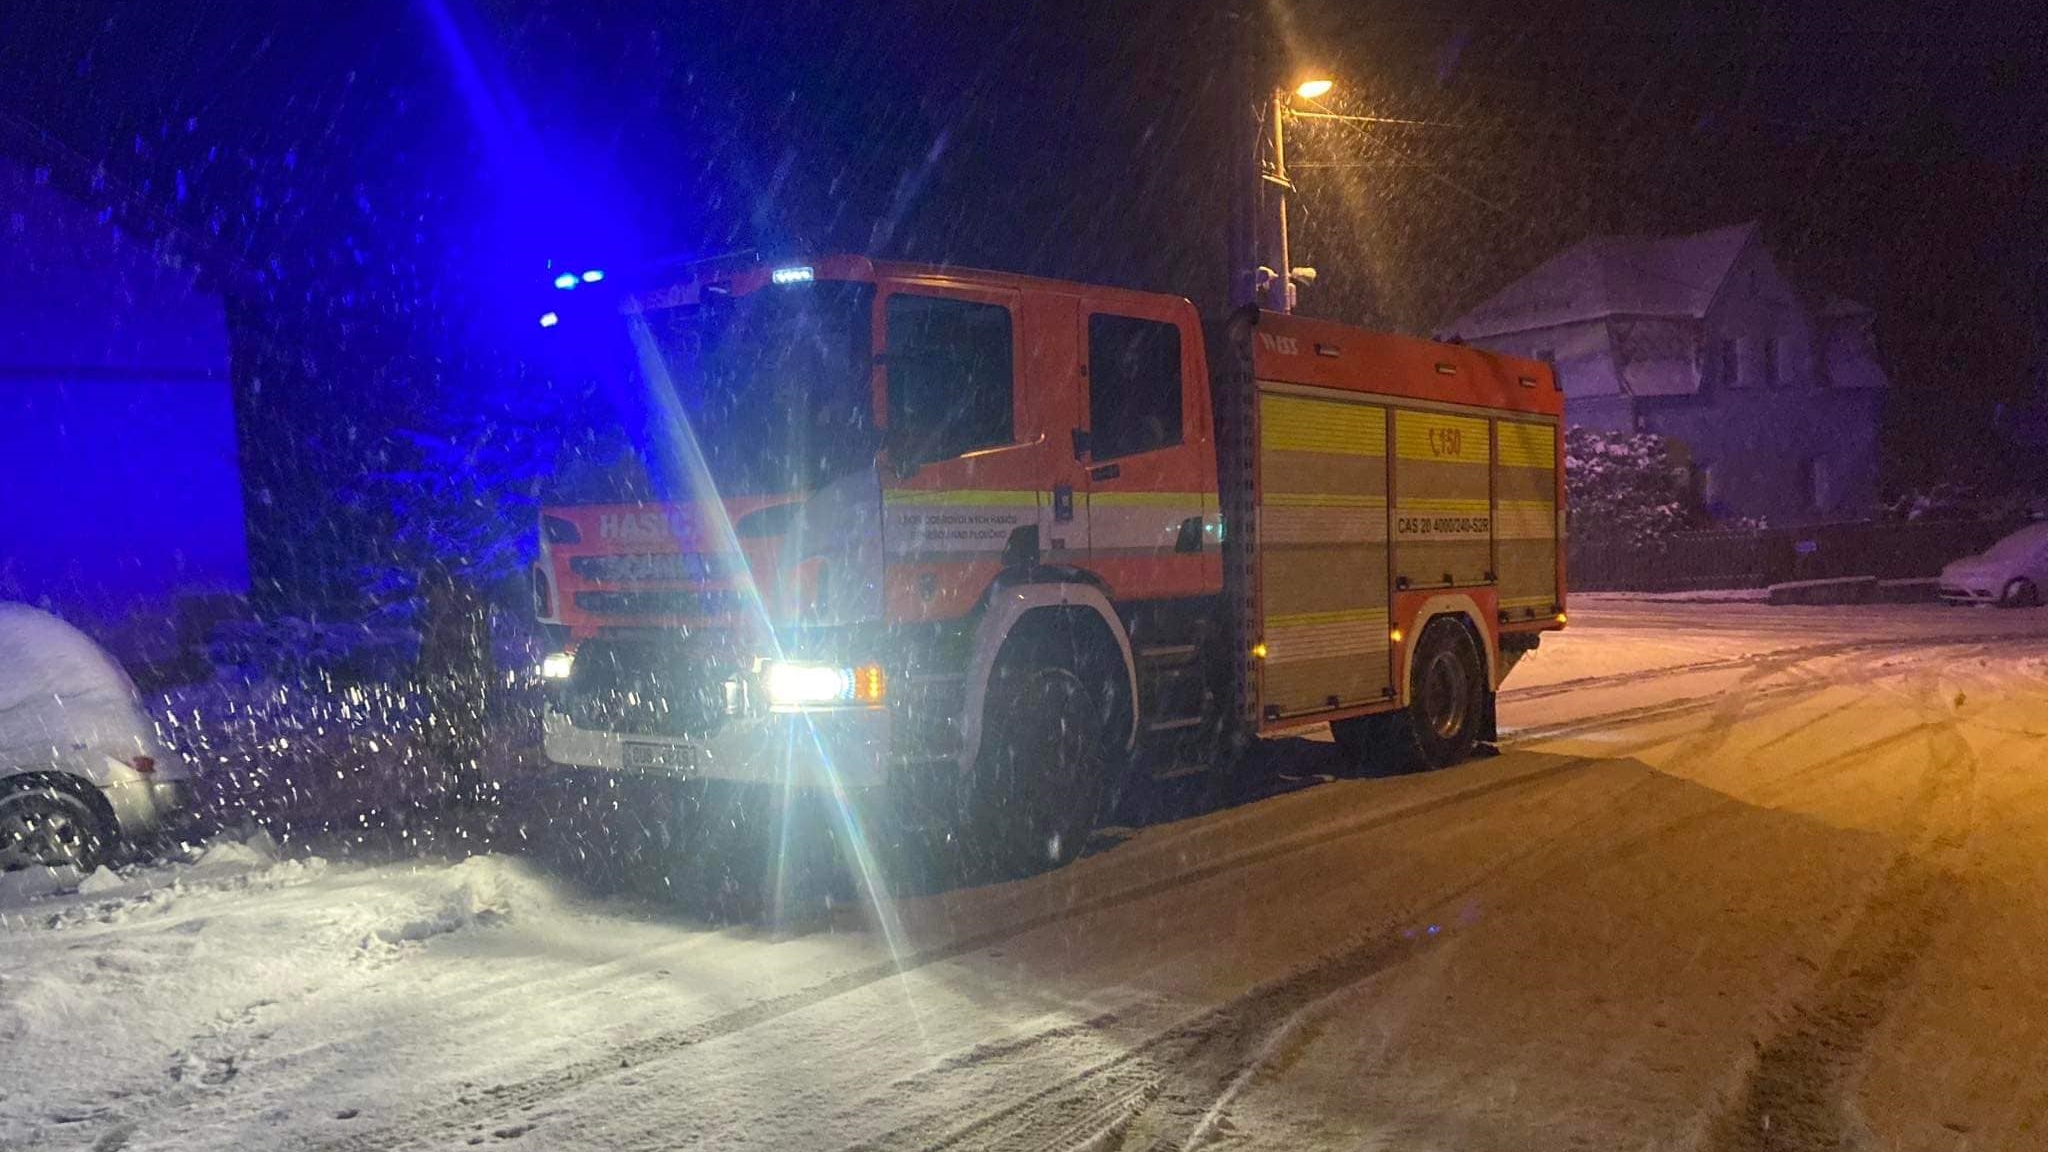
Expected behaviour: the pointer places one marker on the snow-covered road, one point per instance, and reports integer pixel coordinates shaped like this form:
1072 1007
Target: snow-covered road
1742 877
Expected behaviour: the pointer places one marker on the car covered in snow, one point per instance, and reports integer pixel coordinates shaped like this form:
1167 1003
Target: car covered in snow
81 767
2011 572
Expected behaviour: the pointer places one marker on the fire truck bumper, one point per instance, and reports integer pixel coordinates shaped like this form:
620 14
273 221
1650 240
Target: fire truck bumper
830 749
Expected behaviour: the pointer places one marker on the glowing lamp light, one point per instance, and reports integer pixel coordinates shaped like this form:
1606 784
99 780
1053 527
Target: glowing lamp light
1395 635
557 665
593 275
1314 89
795 685
549 319
1560 617
566 281
1259 650
793 275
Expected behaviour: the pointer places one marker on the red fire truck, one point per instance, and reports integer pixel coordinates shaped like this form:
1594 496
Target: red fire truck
982 544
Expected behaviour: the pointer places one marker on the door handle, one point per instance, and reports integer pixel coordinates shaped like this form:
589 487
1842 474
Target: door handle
1106 472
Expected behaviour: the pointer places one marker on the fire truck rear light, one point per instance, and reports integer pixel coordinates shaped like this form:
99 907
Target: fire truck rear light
1394 635
143 764
557 665
1259 650
1560 617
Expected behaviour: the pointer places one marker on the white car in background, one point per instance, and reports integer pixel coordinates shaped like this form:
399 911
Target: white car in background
81 767
2011 573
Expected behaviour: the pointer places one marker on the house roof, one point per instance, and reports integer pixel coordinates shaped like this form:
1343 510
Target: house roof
1674 276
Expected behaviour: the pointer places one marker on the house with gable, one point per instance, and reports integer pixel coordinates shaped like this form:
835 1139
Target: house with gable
119 460
1774 394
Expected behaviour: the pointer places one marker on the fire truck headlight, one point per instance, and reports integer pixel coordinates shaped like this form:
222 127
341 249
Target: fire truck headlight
800 684
557 665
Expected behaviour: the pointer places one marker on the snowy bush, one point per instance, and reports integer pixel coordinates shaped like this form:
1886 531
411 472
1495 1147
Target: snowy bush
1623 488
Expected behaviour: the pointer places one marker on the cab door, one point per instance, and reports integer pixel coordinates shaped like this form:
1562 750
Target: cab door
969 459
1150 472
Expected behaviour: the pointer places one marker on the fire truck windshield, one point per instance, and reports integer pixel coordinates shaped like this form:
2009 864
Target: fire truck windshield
775 382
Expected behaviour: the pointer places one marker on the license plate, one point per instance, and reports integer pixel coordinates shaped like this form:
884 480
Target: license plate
666 757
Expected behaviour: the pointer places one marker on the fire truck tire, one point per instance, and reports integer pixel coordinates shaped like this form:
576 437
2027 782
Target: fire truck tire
1446 695
1446 713
1043 772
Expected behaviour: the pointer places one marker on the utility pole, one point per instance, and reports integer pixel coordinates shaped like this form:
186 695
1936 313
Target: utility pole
1262 268
1273 192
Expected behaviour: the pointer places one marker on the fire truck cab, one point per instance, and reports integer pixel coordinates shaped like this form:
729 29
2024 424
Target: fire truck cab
983 543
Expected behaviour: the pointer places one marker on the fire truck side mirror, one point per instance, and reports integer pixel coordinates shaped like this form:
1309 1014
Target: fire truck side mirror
902 457
1083 444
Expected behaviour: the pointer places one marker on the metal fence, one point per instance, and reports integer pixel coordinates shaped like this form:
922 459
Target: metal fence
1697 561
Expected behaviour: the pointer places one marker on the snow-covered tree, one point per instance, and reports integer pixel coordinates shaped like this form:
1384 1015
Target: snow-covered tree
1624 488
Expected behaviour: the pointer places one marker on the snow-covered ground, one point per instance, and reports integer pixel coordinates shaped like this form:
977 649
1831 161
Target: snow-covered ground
1742 877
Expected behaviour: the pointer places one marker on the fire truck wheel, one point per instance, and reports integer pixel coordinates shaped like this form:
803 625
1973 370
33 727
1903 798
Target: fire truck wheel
1041 775
1446 695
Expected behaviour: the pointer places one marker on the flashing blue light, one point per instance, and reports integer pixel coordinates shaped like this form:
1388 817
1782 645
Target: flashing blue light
792 275
593 276
566 281
549 319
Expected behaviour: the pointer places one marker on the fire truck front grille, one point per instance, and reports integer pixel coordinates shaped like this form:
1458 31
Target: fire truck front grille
643 687
646 566
717 602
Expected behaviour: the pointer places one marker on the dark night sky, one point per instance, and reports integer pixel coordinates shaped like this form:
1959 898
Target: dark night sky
351 187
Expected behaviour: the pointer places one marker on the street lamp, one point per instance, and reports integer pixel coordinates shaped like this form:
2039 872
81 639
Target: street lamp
1276 275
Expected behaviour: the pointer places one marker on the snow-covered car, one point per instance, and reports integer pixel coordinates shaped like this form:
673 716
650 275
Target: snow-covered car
81 767
2011 572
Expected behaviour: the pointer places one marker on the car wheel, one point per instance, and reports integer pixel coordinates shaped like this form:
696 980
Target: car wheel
1042 772
43 825
2021 593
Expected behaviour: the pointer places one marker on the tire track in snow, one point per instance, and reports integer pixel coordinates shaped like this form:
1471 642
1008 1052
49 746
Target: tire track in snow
1172 1090
463 1114
1790 655
1796 1094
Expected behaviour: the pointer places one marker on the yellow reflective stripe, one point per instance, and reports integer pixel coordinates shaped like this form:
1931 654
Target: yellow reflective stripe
1443 505
1004 497
1321 500
1527 445
1525 520
1189 500
1440 438
1340 616
1322 635
1295 424
1528 601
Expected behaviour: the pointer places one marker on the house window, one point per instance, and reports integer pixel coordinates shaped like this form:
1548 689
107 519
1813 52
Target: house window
1818 482
951 386
1731 363
1133 385
1769 364
1706 485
